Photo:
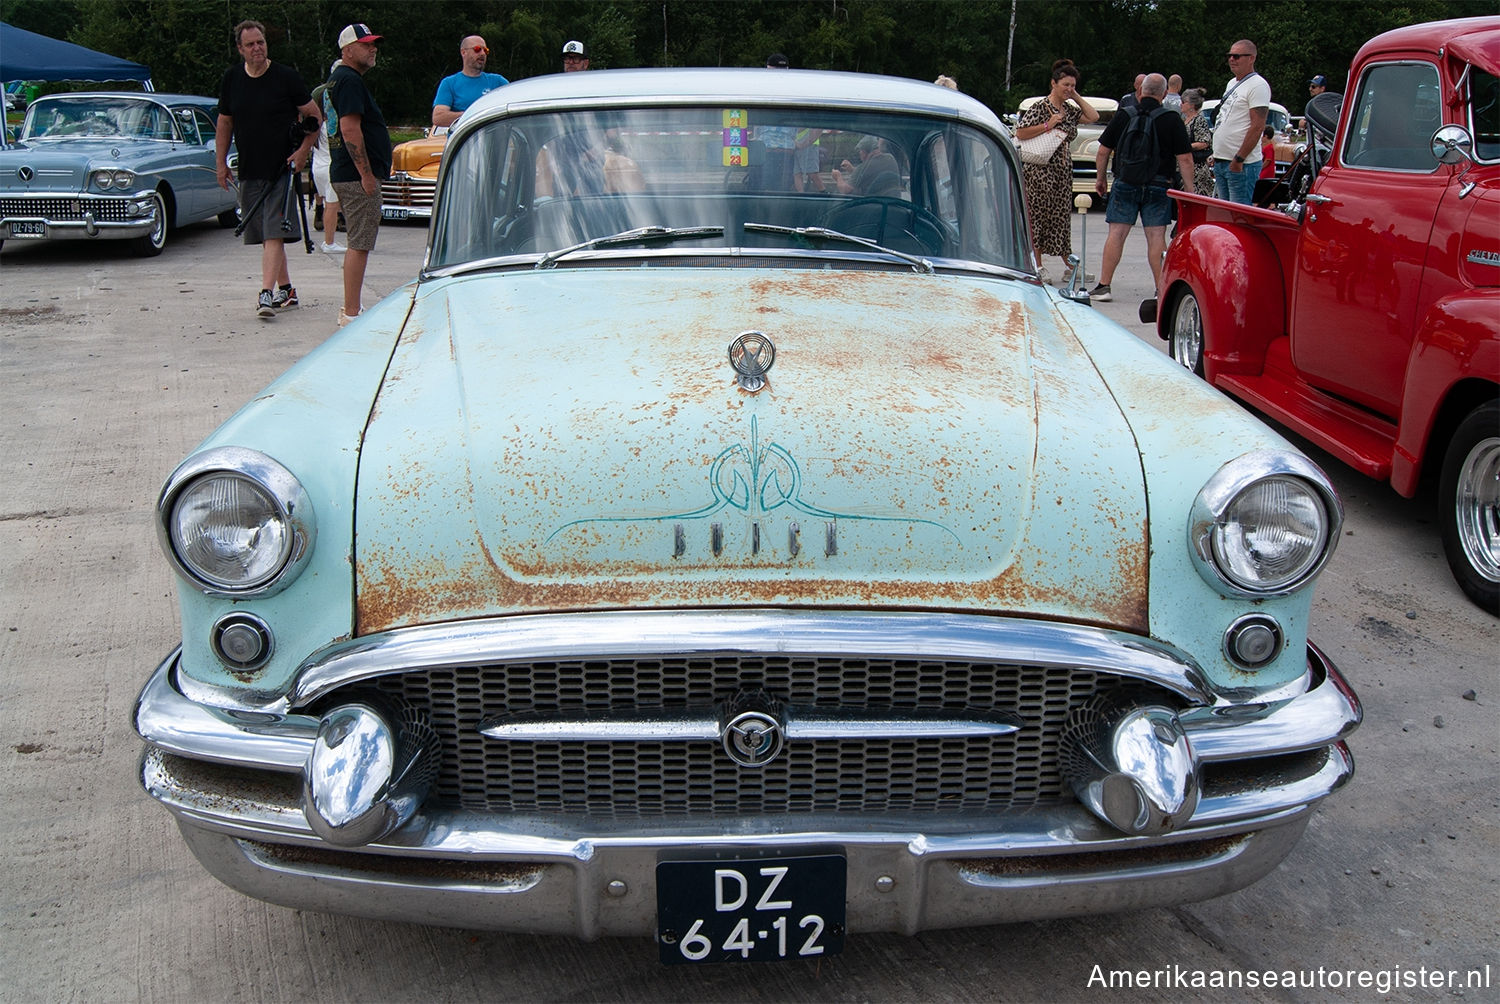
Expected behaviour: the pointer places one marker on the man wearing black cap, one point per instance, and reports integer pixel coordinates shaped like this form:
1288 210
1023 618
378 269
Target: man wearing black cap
362 161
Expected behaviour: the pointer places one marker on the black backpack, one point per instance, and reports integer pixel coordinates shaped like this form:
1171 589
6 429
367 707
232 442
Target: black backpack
1137 160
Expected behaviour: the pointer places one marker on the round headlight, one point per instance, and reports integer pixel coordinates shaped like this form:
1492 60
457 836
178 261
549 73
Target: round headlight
1265 524
228 531
103 179
235 522
123 179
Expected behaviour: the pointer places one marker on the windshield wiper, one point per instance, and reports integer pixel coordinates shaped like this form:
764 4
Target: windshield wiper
823 233
652 233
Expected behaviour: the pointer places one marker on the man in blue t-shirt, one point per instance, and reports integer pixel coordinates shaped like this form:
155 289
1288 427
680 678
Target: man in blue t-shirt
457 92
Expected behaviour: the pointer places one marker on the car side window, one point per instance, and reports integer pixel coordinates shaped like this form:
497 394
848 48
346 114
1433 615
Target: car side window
1484 114
188 123
1397 110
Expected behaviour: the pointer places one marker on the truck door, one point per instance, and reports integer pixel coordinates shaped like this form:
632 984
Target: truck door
1364 239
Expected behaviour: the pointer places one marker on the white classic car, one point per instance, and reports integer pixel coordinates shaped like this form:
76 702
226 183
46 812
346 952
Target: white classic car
694 553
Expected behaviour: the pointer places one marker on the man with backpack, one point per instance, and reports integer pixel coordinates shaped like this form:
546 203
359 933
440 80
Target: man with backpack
1152 154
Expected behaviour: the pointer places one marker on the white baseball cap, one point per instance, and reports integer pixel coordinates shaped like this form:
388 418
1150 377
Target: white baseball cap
357 33
574 48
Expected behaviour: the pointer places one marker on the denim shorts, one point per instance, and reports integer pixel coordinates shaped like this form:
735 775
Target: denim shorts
1151 203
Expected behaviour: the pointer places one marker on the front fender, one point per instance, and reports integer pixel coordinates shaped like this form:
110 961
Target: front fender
1240 285
1458 340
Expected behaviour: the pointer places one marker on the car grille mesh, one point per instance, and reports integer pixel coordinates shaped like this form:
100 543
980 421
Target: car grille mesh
65 209
642 780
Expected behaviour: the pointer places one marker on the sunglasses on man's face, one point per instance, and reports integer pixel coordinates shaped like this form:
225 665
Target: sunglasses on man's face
1238 55
482 49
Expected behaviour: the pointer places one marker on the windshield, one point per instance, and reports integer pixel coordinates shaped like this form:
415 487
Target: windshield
745 178
92 115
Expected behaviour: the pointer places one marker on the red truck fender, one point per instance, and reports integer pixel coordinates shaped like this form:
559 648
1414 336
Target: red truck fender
1454 367
1239 282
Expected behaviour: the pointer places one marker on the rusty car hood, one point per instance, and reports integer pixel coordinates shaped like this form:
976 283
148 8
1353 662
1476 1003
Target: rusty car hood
534 449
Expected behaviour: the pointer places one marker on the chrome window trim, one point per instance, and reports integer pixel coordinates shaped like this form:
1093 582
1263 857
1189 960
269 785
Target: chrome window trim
1359 93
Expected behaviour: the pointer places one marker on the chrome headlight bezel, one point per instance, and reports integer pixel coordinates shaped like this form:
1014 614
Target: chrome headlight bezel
1227 486
283 494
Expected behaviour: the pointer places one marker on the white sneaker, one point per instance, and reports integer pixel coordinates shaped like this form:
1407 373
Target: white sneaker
346 318
334 248
1044 275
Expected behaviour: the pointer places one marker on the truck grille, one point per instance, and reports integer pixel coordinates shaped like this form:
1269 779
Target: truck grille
643 780
65 209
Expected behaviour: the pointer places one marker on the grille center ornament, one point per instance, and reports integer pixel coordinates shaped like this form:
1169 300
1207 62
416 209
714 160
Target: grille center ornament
752 355
753 730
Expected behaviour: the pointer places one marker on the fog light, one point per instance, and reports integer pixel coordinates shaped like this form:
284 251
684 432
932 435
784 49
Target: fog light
1253 640
242 641
366 777
1132 766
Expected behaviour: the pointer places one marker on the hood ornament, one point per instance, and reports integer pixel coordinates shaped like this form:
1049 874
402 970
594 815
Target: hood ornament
752 354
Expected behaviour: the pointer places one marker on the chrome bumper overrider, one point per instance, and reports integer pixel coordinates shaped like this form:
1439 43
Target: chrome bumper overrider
238 783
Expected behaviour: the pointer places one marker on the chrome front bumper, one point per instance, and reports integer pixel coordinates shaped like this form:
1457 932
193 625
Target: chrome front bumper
82 217
233 781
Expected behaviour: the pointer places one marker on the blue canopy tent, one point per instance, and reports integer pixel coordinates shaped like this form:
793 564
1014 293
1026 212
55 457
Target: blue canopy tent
25 55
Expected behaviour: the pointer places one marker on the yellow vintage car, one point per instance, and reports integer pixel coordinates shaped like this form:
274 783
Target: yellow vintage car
407 193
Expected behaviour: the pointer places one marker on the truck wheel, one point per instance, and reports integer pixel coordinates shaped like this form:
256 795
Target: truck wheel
1186 337
1469 506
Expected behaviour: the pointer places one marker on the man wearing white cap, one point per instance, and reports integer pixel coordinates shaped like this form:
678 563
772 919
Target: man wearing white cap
362 161
574 57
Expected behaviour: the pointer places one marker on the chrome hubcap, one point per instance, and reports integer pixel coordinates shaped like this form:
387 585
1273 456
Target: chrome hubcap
1476 503
1187 333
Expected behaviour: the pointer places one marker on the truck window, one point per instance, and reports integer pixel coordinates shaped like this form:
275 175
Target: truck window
1397 110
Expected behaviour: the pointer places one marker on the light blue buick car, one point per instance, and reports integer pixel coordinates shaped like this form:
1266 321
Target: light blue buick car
739 546
112 166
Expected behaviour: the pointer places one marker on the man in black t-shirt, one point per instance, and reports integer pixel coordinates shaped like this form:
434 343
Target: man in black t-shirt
260 105
1148 199
363 160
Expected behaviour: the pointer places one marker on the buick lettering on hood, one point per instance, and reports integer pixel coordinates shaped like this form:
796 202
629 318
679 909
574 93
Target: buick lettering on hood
717 544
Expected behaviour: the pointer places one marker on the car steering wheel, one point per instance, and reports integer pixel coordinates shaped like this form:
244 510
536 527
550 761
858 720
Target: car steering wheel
875 216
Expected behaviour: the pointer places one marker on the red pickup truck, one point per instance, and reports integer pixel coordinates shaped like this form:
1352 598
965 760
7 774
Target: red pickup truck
1364 311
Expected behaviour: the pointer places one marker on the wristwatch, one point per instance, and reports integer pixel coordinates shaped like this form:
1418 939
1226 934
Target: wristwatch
1239 158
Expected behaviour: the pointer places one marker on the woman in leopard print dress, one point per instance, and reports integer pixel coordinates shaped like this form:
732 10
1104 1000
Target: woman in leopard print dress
1049 186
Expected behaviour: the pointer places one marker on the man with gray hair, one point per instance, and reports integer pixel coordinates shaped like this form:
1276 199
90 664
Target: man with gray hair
1154 155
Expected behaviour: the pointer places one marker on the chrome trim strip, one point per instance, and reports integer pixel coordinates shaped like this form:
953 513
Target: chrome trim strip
1254 802
756 632
801 723
1328 711
168 720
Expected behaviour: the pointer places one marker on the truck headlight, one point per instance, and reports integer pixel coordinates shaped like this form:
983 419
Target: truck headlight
1265 524
235 522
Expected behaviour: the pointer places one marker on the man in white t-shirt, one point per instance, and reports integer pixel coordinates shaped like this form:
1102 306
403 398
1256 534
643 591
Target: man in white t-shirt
1238 124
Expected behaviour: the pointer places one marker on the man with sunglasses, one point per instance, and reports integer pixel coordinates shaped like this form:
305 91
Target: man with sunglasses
1237 126
457 92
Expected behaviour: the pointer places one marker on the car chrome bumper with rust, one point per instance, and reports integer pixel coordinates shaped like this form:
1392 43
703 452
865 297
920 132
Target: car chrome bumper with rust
233 779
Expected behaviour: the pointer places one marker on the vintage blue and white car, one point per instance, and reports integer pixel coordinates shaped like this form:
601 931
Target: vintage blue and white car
706 549
112 166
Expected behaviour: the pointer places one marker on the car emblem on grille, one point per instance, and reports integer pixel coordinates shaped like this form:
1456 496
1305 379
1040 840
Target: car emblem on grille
25 174
752 731
752 354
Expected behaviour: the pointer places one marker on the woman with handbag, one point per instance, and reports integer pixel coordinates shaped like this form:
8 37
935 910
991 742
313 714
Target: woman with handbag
1048 174
1201 137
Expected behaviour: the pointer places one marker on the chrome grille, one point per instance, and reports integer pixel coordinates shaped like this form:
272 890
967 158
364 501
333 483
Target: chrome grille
66 208
636 780
403 190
